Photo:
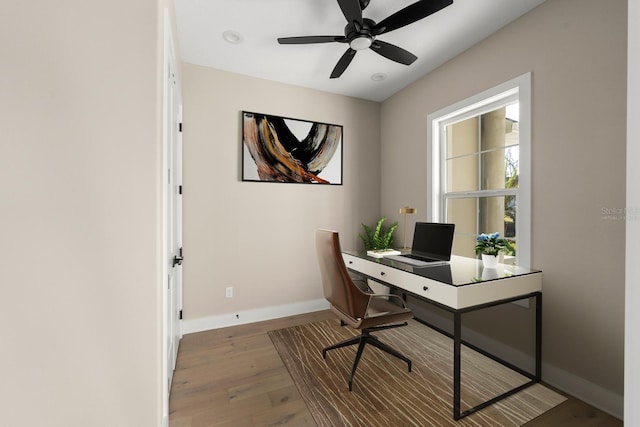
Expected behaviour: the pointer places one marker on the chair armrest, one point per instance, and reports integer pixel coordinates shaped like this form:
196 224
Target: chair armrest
363 285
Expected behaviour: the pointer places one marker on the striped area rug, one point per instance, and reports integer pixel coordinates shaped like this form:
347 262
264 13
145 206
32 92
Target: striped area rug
385 394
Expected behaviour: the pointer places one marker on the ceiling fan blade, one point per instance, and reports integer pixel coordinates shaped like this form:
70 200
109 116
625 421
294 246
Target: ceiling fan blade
393 52
343 63
351 10
311 39
410 14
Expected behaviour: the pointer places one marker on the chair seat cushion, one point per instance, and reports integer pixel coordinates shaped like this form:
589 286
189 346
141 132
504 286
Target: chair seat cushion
380 312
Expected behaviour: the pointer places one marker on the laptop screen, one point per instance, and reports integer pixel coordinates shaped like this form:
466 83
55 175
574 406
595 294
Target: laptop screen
433 240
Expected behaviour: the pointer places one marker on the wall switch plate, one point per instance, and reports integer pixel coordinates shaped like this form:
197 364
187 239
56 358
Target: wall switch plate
229 292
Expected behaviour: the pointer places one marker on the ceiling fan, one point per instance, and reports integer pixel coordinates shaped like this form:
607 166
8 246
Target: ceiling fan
360 33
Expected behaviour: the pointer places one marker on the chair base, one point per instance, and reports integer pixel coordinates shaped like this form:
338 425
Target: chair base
363 339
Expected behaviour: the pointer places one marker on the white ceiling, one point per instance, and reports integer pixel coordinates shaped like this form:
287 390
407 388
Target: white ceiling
434 40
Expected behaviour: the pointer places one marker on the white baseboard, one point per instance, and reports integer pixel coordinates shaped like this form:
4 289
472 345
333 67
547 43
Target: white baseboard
250 316
593 394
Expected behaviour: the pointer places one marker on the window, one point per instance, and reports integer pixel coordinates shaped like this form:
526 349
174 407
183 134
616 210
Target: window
480 167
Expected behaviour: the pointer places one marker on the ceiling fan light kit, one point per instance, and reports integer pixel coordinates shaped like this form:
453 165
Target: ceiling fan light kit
361 43
360 33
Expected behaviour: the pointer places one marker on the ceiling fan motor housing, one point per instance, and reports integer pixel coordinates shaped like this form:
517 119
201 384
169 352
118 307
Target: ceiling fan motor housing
359 36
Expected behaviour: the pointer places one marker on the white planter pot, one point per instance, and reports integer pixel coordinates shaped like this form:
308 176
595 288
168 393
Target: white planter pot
489 261
489 273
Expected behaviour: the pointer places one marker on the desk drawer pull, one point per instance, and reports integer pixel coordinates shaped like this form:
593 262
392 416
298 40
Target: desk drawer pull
350 262
425 288
382 273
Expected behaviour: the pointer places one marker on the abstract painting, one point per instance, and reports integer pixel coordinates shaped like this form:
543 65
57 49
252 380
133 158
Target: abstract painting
280 149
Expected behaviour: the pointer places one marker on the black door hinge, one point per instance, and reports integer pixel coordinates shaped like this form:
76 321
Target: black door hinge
179 189
179 127
177 260
180 314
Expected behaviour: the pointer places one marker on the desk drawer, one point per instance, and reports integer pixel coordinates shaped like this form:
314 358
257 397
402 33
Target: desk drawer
368 268
421 286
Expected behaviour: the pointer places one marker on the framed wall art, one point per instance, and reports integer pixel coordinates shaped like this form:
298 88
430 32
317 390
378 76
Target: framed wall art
281 149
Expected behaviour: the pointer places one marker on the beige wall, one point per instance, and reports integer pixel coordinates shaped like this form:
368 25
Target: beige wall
79 182
576 52
259 237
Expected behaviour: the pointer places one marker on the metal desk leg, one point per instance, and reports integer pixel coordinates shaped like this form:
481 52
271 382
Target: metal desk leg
538 374
457 342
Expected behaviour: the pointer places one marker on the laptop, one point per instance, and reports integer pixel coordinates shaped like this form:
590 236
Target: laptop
432 244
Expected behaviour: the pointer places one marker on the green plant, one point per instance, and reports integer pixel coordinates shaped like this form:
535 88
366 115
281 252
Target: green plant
492 244
378 237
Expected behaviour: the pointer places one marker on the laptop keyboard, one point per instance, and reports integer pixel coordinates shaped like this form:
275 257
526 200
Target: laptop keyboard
420 258
405 259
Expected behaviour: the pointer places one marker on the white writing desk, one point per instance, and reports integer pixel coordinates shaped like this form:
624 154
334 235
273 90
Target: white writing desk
460 287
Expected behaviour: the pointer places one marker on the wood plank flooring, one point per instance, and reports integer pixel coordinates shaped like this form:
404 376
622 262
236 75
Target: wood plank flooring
234 377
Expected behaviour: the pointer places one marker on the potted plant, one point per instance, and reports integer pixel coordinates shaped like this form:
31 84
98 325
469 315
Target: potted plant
489 246
378 237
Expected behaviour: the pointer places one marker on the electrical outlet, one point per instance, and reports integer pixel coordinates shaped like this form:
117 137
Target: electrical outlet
229 292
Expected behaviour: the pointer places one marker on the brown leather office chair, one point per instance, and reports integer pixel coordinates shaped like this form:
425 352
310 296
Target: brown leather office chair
355 304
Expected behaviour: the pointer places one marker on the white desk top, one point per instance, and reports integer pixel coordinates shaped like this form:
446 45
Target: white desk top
460 271
462 283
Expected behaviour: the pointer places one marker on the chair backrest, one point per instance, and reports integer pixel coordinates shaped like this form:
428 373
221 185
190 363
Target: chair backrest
337 285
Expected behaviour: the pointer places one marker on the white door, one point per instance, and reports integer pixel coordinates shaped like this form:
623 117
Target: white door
174 226
172 219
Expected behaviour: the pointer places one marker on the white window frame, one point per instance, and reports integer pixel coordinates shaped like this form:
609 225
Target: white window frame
519 89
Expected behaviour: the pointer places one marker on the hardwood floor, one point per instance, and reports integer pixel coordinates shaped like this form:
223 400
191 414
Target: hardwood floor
234 377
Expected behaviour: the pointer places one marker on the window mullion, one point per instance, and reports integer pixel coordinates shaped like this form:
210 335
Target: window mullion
481 193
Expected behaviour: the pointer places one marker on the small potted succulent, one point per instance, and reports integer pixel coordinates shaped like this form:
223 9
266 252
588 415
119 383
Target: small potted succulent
489 246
